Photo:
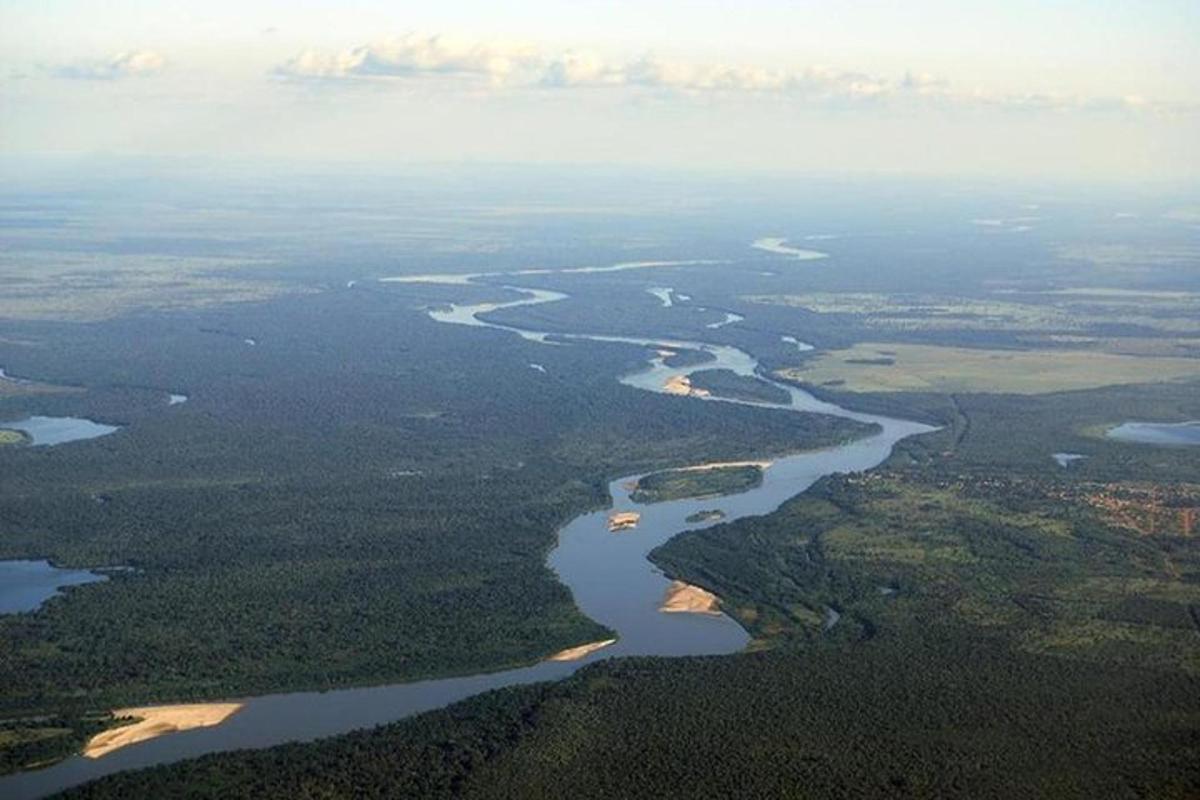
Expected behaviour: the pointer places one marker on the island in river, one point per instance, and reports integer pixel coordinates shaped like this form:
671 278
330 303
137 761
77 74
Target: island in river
678 484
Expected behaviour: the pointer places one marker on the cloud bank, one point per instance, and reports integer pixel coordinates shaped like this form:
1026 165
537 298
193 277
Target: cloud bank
129 64
519 66
411 56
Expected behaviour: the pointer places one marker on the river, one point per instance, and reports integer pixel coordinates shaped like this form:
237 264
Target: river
609 575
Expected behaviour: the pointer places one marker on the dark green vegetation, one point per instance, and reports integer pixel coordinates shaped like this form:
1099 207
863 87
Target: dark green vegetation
365 495
727 383
36 742
706 515
659 487
976 521
1001 634
939 714
998 435
1040 562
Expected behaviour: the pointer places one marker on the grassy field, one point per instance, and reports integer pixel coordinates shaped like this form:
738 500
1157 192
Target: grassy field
879 367
8 437
1035 560
59 285
1069 310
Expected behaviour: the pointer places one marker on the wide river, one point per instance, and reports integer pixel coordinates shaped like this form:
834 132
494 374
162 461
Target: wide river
612 581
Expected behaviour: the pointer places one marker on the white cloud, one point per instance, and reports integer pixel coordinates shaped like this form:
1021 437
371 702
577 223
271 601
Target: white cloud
573 69
410 56
131 63
524 66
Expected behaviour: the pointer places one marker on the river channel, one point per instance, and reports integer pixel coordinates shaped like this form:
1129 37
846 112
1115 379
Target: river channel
608 573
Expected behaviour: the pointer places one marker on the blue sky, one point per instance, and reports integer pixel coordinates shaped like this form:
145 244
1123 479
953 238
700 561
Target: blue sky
1092 90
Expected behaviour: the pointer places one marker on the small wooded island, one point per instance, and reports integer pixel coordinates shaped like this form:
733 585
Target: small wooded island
678 484
728 384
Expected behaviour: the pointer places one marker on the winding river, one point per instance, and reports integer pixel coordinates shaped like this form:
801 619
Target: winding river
612 581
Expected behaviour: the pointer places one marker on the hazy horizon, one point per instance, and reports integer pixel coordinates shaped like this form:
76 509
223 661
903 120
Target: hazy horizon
1096 91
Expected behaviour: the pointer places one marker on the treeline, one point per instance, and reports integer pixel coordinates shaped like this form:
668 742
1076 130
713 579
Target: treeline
937 712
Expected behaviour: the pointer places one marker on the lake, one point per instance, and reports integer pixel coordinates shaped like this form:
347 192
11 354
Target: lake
1162 433
25 585
49 431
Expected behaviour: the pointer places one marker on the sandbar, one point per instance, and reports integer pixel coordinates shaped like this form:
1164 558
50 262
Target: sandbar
576 653
684 598
155 721
722 464
681 385
623 520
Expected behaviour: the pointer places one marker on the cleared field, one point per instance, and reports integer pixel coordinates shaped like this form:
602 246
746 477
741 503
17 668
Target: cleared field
92 286
11 437
875 367
1064 311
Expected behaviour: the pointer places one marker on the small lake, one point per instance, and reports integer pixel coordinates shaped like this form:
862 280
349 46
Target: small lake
50 431
25 585
1164 433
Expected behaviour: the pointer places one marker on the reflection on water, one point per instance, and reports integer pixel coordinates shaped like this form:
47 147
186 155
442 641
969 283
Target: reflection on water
775 244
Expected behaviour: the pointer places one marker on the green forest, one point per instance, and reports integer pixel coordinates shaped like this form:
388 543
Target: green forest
658 487
999 635
939 711
339 504
727 383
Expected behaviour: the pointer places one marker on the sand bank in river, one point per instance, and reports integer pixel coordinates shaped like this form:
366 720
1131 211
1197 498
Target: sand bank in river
623 520
721 464
576 653
683 598
681 385
155 721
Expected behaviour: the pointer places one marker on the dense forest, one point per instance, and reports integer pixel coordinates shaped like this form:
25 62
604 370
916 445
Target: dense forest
363 495
355 494
727 383
939 711
998 633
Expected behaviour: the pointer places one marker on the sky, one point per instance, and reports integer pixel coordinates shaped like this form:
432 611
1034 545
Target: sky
1098 90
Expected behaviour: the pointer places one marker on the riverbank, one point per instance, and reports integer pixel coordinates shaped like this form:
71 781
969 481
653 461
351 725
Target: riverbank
154 721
